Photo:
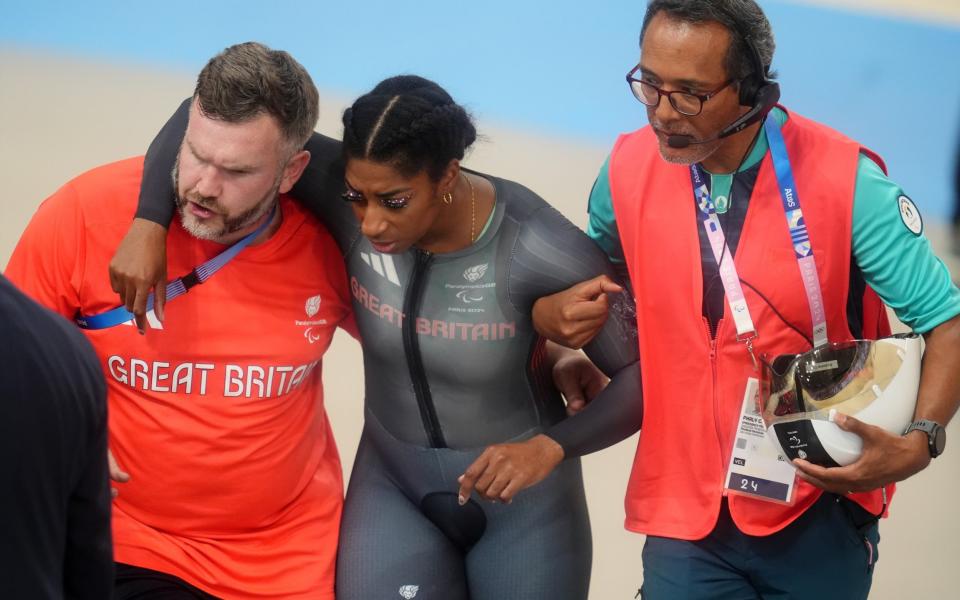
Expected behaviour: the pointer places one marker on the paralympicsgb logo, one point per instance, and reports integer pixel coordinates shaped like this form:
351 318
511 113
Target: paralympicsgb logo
475 272
312 307
409 591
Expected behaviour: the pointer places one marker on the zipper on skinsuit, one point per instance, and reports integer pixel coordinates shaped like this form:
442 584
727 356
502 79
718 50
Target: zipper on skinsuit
411 346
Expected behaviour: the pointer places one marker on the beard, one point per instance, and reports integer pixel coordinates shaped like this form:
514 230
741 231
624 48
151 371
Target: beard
692 154
221 224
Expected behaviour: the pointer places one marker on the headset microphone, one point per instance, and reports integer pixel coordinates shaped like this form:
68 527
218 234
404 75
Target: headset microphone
766 98
682 141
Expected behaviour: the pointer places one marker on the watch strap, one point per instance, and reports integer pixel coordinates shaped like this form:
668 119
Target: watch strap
930 428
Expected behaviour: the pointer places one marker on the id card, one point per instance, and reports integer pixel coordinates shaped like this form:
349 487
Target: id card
756 468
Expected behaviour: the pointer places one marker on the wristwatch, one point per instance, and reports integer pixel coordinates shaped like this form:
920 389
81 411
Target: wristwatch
936 435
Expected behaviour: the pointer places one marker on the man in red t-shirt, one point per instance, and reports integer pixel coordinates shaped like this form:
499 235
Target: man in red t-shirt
232 480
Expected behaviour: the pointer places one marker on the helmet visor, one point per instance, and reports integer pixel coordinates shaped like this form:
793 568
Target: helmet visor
843 376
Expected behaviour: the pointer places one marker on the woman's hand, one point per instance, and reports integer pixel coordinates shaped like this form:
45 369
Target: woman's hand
503 470
139 265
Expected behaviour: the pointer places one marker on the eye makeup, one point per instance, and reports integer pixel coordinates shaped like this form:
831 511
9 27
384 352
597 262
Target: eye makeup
390 202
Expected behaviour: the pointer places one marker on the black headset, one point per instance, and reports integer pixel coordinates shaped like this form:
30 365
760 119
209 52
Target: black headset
753 84
757 90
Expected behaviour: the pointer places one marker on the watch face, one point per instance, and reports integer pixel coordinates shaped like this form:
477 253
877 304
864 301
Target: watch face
939 440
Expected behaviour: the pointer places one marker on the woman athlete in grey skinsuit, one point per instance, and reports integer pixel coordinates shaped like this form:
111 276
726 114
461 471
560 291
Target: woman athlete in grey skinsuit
445 265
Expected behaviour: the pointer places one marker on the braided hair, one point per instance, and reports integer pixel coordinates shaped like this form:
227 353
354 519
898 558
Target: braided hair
409 122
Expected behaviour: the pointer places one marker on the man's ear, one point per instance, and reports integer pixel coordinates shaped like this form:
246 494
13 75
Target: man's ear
293 170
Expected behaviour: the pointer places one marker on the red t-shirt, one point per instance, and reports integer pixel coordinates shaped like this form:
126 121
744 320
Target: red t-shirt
218 417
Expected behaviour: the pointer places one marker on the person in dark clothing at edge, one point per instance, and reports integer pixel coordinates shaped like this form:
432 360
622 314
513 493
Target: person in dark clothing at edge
53 457
445 265
717 182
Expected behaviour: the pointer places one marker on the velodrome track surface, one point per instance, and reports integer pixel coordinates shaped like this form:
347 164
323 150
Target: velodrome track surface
64 109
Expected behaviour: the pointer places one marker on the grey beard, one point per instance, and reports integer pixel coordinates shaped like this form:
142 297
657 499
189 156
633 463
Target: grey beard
230 225
704 151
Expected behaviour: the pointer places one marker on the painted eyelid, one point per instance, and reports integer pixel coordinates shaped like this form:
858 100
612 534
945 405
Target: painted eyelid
395 201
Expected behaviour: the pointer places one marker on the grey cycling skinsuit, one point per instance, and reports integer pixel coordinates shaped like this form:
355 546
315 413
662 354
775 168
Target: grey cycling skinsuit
452 364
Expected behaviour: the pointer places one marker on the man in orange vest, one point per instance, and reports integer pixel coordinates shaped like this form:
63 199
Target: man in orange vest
748 230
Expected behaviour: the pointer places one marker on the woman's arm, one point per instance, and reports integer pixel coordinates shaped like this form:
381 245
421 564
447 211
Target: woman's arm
552 254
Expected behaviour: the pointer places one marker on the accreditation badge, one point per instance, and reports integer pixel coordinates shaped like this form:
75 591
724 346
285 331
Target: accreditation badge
756 468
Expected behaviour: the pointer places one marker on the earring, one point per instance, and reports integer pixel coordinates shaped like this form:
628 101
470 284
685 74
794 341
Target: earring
447 198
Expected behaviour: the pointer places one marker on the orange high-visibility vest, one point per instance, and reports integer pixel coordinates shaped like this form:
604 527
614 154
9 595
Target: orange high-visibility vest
693 385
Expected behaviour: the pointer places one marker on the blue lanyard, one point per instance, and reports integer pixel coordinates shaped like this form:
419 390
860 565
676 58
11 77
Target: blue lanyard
799 236
176 287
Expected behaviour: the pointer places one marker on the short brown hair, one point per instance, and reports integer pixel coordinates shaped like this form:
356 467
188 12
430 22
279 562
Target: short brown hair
249 79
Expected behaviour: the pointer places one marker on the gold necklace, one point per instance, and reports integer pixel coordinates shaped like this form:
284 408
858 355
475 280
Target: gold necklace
473 209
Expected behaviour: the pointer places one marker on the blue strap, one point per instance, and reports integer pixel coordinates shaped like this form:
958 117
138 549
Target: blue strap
788 195
799 235
176 287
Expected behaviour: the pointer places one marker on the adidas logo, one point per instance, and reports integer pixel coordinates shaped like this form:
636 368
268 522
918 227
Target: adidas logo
383 265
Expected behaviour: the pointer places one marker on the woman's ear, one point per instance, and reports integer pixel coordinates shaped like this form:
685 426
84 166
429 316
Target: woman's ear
448 181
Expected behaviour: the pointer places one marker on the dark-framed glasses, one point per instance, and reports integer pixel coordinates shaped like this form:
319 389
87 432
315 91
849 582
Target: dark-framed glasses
685 103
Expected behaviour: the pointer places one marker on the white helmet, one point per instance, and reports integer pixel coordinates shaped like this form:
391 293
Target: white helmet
875 381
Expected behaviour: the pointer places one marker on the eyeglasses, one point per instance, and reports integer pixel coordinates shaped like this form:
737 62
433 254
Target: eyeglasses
685 103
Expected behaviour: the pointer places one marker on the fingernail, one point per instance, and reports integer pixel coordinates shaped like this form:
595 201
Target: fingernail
461 499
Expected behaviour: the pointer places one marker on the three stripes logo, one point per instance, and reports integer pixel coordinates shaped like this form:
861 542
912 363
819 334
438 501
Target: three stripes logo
383 265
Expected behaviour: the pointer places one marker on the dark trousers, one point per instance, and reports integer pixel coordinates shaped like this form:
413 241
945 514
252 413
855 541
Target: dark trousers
137 583
829 552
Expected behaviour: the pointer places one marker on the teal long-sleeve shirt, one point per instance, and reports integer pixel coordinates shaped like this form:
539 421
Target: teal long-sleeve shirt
889 245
